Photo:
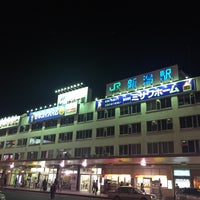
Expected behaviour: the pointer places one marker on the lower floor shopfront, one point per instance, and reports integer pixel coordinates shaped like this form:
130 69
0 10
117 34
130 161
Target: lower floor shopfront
107 177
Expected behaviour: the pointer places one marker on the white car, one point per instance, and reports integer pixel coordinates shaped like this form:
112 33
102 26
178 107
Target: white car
2 196
129 193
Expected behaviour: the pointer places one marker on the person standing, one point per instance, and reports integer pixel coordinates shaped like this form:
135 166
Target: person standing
52 191
176 189
56 184
44 185
142 187
36 183
160 191
16 181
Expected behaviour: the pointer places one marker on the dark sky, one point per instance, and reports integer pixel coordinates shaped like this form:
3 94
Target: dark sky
48 46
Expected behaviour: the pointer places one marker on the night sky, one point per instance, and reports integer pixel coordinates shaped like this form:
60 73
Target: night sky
48 46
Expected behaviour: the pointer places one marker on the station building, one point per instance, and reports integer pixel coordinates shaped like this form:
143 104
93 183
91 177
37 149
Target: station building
145 130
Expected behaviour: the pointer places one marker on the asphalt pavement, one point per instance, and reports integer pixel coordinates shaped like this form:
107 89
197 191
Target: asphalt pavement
63 192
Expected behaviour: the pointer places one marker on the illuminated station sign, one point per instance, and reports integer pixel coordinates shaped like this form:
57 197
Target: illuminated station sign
150 79
148 86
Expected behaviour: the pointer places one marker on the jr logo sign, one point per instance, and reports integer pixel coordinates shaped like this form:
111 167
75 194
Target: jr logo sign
116 86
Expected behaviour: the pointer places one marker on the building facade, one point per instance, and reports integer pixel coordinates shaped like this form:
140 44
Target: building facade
145 130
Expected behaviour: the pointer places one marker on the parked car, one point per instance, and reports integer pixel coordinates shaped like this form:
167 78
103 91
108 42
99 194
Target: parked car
188 194
2 196
129 192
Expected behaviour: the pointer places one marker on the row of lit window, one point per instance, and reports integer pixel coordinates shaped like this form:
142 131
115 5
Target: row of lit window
153 148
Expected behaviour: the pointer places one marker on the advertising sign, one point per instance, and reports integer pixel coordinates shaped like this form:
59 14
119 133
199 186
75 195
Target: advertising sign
146 94
72 96
54 112
9 122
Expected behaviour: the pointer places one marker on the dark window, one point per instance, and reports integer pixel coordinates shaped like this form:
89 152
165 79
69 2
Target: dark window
22 142
12 131
158 104
130 149
82 152
130 109
47 154
190 121
128 129
160 147
51 123
189 98
85 117
24 128
105 132
63 137
32 155
160 125
19 156
84 134
2 144
3 132
107 113
68 120
104 151
37 126
191 146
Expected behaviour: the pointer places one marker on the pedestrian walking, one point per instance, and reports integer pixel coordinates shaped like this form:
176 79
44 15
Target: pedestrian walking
95 187
52 191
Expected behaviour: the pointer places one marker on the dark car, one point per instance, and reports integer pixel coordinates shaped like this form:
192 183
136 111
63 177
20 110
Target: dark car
188 194
129 193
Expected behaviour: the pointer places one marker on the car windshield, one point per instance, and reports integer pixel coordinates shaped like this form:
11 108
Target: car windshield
190 190
139 191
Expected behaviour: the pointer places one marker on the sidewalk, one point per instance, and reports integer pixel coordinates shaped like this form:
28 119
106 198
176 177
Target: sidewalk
63 192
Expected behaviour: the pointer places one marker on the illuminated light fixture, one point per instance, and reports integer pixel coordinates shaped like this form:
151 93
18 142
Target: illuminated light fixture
143 162
62 164
84 163
43 164
69 88
12 165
